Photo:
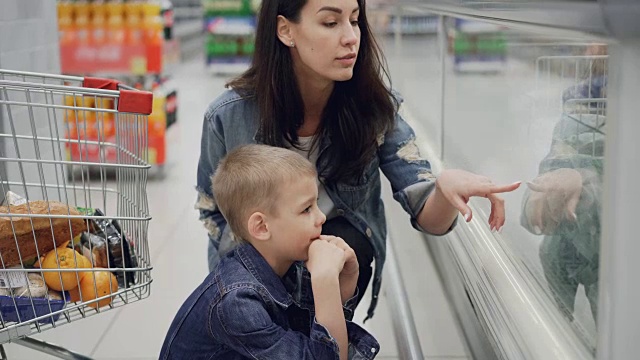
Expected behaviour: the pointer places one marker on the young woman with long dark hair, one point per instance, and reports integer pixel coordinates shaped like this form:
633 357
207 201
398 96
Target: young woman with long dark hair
317 86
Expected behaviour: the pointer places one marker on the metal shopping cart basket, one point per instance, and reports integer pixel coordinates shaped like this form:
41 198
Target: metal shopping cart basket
578 83
74 215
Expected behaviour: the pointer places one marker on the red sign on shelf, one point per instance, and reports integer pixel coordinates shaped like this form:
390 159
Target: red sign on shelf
131 59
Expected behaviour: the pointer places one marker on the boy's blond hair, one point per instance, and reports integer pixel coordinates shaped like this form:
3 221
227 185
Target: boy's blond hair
251 177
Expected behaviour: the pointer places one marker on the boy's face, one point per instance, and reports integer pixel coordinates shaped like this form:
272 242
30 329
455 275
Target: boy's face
297 221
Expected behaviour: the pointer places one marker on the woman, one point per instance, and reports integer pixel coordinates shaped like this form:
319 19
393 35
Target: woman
316 86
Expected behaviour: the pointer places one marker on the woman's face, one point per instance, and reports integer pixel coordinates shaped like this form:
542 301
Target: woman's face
327 39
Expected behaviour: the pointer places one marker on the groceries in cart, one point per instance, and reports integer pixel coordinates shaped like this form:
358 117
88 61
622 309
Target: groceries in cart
108 247
56 237
23 238
63 126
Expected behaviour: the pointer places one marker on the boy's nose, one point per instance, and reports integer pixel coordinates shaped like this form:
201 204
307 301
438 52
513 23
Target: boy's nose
321 217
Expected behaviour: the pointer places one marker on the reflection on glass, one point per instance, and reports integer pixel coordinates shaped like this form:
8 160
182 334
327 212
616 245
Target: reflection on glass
522 106
563 202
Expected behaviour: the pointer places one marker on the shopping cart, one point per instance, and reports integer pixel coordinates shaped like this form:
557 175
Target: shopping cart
578 83
73 173
563 77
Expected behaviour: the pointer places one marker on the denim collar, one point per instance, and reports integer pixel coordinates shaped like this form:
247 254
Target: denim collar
260 269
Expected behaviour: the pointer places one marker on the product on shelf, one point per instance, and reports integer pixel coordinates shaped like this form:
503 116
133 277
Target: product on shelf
171 107
66 27
230 26
112 37
229 7
157 126
477 46
133 23
82 22
115 39
98 23
167 17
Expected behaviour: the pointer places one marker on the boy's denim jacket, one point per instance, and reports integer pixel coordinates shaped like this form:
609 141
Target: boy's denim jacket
232 120
243 309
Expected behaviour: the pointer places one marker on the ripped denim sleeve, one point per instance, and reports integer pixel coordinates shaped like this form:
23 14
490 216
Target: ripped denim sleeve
212 149
210 217
410 175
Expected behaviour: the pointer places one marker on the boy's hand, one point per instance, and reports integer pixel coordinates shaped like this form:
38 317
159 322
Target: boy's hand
325 263
325 259
351 267
350 271
458 186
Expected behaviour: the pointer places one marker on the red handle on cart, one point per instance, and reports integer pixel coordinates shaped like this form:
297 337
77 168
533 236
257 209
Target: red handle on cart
100 83
130 101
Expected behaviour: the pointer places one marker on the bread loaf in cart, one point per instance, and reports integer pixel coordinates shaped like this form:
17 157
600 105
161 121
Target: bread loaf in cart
31 233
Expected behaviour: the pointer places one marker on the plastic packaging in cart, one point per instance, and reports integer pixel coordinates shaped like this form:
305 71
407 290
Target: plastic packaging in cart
108 234
119 248
17 303
94 248
15 199
21 309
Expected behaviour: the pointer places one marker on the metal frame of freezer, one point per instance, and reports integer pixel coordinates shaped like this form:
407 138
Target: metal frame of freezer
529 332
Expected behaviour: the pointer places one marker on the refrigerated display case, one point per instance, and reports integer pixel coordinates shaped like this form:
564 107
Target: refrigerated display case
555 283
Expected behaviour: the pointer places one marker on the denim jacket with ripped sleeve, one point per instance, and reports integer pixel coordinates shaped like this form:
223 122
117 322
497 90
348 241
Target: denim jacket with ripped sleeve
244 310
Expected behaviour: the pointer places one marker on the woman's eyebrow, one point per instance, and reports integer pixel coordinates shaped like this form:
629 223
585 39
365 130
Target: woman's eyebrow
335 9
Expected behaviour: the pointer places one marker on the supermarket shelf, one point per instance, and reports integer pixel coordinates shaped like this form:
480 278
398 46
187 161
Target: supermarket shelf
187 13
564 18
187 29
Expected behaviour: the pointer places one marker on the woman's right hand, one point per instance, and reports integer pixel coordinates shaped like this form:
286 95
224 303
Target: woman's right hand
554 198
325 259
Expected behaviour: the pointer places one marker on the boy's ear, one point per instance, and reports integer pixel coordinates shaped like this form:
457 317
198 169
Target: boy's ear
258 227
284 31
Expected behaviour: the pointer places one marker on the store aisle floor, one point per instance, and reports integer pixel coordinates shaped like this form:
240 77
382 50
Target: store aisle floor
178 252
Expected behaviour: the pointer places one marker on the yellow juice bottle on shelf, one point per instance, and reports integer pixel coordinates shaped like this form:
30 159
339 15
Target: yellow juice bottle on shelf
152 23
158 117
82 21
81 122
98 23
66 25
133 23
115 23
106 120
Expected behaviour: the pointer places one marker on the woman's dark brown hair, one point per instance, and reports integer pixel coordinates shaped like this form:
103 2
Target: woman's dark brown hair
358 111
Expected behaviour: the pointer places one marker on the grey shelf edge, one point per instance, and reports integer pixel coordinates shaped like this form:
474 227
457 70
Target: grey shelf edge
188 29
190 12
561 19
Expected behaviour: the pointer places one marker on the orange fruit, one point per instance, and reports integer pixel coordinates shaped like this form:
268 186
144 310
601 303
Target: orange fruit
74 295
66 259
98 284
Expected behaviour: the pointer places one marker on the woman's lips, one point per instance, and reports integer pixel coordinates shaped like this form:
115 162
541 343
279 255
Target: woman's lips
347 60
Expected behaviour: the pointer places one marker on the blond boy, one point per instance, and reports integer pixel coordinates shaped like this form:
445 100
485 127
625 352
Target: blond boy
286 292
